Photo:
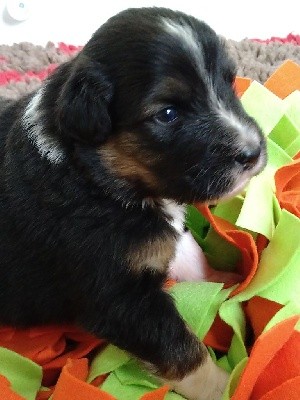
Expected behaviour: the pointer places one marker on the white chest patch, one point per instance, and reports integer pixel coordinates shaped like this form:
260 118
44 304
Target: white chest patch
47 146
175 214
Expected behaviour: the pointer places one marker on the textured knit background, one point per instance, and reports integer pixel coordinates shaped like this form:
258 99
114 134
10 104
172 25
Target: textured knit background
24 65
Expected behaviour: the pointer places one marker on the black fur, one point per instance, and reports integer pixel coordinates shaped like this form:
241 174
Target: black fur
67 228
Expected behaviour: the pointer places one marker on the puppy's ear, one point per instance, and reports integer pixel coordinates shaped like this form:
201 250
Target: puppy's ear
83 103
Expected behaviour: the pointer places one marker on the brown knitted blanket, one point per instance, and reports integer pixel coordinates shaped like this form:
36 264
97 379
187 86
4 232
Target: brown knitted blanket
24 65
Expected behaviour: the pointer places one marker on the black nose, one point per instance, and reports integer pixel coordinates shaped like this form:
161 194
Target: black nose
248 156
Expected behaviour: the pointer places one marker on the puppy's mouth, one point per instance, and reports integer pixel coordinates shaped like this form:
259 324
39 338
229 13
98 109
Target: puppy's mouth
237 189
241 181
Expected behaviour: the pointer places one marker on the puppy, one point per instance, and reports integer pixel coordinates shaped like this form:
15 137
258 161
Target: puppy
96 169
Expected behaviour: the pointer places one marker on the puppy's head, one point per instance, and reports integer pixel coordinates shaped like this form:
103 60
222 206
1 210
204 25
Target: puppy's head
153 92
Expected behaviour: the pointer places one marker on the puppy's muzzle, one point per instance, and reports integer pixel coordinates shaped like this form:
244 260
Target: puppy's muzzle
249 156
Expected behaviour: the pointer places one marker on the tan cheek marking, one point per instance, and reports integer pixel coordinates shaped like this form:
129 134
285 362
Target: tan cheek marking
155 254
124 156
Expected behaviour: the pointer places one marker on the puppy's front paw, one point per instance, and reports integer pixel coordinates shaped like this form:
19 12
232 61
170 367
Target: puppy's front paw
220 386
208 382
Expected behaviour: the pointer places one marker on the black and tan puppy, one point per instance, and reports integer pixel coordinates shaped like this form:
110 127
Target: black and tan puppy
96 167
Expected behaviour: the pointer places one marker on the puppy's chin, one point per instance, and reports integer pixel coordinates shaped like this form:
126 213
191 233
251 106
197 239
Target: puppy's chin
238 188
239 183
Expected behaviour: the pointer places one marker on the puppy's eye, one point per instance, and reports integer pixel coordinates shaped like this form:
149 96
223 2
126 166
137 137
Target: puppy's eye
167 115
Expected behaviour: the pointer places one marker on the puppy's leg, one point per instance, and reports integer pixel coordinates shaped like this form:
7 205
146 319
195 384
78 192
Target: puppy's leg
142 319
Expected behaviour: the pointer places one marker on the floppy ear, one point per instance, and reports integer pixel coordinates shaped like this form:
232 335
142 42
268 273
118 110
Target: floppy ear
83 103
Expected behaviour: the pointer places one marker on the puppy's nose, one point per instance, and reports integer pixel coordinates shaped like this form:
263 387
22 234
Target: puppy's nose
248 156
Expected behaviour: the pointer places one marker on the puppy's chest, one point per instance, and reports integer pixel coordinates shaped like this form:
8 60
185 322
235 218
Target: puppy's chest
157 250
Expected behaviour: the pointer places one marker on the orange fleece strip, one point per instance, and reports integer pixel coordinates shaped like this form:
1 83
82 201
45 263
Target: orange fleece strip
158 394
6 393
273 363
241 85
287 181
239 239
259 312
285 80
48 346
72 386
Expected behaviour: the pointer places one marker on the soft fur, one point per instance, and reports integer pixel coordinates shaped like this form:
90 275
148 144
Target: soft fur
96 167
